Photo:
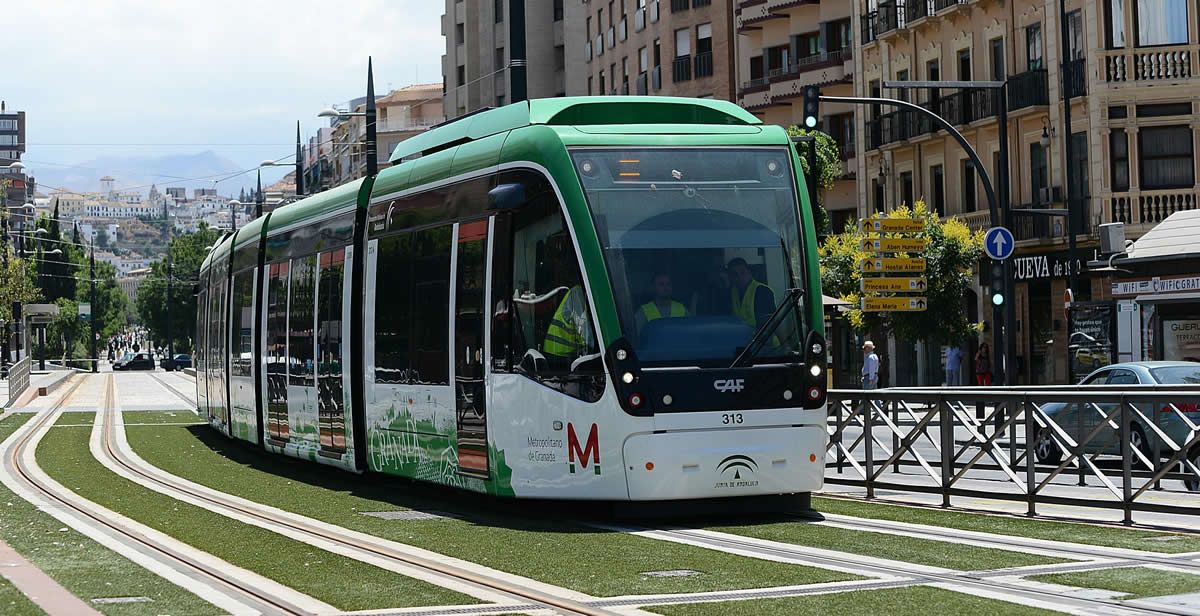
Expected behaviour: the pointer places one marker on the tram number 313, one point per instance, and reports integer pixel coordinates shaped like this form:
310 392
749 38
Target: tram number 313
731 418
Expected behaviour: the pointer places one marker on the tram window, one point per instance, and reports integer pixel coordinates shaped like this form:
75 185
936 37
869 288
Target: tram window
412 308
241 357
300 322
549 323
330 406
276 350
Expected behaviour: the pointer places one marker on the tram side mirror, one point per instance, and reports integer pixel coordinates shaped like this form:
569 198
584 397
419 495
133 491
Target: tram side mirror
587 364
506 197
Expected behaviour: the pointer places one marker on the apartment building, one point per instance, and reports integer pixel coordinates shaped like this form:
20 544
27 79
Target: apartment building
657 47
475 68
785 46
21 187
1132 81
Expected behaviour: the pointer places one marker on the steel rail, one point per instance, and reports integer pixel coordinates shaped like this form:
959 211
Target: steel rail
502 587
959 579
1014 543
173 389
259 600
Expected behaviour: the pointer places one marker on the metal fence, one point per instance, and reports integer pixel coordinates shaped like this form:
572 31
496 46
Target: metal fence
18 380
1129 448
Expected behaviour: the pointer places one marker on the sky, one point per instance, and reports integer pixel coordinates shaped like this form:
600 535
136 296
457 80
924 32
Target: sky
152 77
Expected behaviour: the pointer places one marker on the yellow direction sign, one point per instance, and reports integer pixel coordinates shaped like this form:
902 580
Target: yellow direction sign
892 225
894 285
906 244
893 304
889 264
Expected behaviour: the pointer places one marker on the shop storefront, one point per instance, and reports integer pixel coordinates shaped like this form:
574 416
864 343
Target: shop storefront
1049 350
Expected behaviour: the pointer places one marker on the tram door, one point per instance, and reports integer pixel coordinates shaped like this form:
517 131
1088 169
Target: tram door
469 357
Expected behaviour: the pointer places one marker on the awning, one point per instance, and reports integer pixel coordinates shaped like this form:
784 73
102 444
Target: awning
1173 238
832 301
1168 298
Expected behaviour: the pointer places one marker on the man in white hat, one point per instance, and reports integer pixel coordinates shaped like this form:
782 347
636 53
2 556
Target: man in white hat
870 369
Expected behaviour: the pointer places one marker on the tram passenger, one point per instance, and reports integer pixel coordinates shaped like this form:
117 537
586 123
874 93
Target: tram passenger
663 306
570 331
751 301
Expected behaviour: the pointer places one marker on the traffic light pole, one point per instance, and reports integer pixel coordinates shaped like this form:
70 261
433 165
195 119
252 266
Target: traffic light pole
92 316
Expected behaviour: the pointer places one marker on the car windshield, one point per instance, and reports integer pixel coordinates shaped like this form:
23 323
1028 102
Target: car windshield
1177 375
702 245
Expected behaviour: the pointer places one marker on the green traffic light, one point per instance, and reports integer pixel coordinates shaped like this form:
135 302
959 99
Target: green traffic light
997 298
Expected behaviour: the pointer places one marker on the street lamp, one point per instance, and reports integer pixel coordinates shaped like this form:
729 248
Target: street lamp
258 194
368 114
234 204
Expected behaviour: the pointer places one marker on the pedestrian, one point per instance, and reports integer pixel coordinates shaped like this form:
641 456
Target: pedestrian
953 366
983 366
870 369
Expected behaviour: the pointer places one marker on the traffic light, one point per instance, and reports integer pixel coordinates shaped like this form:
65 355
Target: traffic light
812 106
997 283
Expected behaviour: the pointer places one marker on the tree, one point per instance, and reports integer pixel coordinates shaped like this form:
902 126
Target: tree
102 238
111 302
951 253
829 168
187 255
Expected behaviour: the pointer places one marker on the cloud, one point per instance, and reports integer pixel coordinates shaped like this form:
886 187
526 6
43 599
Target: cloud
210 72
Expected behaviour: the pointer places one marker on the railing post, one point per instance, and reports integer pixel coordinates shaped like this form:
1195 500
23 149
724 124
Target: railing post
1079 442
1156 453
1126 465
946 428
895 437
1030 467
838 433
868 438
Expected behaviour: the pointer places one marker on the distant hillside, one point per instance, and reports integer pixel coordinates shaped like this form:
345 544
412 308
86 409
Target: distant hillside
137 172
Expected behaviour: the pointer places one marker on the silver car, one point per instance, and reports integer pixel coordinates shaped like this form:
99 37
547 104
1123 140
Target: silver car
1079 419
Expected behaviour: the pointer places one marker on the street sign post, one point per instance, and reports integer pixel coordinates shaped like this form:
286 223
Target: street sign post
894 304
902 244
894 285
999 243
894 264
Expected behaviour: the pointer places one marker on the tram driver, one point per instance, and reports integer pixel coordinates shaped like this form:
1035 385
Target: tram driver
663 306
751 301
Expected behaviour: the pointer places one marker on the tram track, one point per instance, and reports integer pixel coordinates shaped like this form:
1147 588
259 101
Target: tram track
191 402
248 599
512 595
976 582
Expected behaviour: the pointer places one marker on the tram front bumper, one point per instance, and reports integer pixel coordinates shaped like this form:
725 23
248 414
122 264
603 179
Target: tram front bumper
725 463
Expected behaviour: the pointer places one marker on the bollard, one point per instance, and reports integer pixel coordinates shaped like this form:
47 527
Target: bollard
1126 465
868 439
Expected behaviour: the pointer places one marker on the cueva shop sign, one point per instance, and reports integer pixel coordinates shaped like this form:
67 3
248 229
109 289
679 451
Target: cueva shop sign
1181 340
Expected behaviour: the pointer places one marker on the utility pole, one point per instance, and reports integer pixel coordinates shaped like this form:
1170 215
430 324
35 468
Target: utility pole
92 316
170 347
516 51
4 263
299 164
1068 149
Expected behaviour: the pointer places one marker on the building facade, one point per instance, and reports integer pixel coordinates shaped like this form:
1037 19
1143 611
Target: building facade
475 68
656 47
21 186
1132 137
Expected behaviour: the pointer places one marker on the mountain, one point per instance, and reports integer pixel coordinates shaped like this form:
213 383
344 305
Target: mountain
139 172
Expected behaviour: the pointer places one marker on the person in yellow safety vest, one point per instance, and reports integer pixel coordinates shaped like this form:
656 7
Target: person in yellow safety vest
752 301
662 306
570 333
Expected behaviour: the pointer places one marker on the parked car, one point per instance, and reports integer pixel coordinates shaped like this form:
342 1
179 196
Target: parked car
181 361
1079 419
135 361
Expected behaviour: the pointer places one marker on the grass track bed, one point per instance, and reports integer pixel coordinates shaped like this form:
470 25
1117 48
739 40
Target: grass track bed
1137 582
14 603
1150 541
592 561
929 552
161 417
65 456
911 601
82 566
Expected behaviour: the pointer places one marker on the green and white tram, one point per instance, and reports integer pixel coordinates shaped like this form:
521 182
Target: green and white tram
610 298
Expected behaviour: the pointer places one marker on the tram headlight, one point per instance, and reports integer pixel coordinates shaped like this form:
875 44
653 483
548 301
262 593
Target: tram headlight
815 370
774 168
627 378
621 354
817 349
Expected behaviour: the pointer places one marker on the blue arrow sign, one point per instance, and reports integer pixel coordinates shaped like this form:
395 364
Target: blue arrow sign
998 243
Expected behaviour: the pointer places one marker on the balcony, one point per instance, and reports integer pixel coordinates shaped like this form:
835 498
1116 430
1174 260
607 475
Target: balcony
828 67
979 220
680 5
1148 207
704 64
406 124
962 107
1028 89
1076 77
941 5
1035 226
1171 63
681 69
917 9
868 27
888 18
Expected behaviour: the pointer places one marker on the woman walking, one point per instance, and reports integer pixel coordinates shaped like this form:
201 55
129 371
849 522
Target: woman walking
983 366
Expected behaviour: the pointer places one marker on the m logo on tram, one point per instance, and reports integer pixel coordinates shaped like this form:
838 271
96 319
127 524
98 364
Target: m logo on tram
590 449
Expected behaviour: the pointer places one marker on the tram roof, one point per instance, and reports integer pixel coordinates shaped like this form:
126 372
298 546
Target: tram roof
332 200
576 111
250 232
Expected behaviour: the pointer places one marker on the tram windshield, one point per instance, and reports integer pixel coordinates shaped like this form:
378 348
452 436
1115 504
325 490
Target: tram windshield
702 246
